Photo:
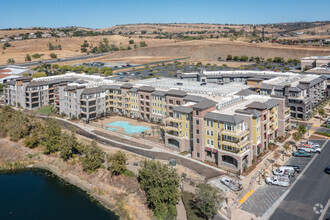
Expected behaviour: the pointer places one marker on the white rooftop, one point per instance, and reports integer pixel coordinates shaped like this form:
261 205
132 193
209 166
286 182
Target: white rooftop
193 86
292 80
241 104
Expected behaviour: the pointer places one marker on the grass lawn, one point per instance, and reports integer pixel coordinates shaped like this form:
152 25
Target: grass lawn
188 202
45 110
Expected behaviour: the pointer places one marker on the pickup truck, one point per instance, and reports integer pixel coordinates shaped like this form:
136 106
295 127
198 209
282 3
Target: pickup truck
278 180
231 183
301 153
304 148
309 148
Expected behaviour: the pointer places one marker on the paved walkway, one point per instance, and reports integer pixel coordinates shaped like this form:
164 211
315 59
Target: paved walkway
130 145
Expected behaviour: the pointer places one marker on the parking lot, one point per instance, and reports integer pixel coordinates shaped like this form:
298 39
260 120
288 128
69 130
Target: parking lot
265 196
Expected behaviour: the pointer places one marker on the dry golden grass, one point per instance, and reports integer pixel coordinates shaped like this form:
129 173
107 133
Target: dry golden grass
70 46
207 50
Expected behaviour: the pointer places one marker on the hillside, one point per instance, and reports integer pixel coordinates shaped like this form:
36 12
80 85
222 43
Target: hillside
201 42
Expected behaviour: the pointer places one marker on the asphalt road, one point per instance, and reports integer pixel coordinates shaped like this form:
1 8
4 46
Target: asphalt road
323 129
65 59
312 191
265 196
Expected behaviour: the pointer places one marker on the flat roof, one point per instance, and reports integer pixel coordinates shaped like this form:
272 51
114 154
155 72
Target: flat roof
192 87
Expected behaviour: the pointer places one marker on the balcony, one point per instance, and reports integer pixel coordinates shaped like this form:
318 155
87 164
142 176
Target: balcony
235 133
172 125
174 133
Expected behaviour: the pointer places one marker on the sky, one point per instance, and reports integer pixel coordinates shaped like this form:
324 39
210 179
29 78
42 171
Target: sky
107 13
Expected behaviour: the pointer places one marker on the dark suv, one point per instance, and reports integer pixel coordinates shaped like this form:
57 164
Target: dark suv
295 167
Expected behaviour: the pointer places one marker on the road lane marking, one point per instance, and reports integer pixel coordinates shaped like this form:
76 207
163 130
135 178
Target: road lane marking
325 210
247 195
276 204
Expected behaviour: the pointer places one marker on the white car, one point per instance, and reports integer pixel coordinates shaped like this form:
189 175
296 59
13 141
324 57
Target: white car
315 149
231 183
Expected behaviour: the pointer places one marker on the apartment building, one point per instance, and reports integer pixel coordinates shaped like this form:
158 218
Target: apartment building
315 61
24 92
303 93
225 124
229 133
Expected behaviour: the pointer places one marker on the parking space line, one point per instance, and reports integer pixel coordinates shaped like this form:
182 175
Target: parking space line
247 195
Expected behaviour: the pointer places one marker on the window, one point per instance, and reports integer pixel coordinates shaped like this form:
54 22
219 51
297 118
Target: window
197 131
178 102
197 112
212 133
197 154
197 140
207 141
229 127
186 125
171 101
207 132
212 143
197 122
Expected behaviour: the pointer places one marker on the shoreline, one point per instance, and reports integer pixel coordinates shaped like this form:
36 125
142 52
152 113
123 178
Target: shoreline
80 186
109 192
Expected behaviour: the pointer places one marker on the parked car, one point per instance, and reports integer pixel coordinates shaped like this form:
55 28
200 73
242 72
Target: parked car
304 148
231 183
327 170
313 143
301 153
284 171
315 149
295 167
278 180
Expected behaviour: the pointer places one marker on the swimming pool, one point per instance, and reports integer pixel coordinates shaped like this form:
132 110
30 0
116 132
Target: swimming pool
130 129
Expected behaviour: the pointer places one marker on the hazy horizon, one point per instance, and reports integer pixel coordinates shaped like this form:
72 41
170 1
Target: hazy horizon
104 14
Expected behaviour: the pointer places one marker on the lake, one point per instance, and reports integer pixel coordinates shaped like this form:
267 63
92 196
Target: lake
38 194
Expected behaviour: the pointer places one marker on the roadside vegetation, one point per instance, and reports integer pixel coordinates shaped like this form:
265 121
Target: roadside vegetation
159 181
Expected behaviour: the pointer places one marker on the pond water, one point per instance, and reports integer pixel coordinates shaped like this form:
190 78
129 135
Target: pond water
38 194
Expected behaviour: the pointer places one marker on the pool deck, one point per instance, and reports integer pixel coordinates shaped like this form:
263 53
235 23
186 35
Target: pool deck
103 123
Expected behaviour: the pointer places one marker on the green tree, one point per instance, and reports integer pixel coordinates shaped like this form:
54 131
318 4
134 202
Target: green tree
236 58
229 57
39 74
160 183
68 145
1 86
27 57
55 66
322 112
296 136
131 42
106 41
52 136
93 157
11 61
118 161
286 146
53 56
143 44
302 130
208 200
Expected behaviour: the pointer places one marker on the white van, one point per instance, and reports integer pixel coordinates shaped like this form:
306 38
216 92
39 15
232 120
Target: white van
284 171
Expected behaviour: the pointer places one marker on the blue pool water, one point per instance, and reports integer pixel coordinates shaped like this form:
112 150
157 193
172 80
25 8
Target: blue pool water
130 129
112 129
